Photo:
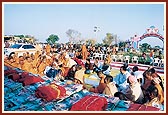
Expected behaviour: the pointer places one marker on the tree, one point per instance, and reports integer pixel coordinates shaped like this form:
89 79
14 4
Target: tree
52 39
157 47
122 44
109 39
21 36
90 42
145 47
74 36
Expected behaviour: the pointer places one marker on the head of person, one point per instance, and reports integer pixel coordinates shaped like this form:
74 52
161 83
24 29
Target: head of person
100 74
21 59
120 95
88 60
151 69
152 92
125 65
105 61
11 54
78 67
123 69
73 68
28 59
11 59
44 59
108 79
135 68
97 59
148 75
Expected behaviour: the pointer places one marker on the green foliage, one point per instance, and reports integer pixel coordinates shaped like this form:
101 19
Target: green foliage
109 39
20 36
145 47
122 44
90 42
141 60
52 39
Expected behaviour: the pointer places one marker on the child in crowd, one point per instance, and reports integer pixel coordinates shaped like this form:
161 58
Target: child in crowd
71 73
138 75
97 65
152 97
110 88
106 67
88 66
102 85
121 79
152 78
80 71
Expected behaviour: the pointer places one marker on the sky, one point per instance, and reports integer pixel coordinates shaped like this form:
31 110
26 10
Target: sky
123 20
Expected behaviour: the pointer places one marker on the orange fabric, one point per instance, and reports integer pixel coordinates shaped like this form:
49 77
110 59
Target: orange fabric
65 71
108 59
41 68
160 93
35 62
36 55
28 66
151 54
48 48
84 52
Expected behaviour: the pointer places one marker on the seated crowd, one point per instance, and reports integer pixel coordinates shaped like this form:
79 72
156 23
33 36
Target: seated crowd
130 85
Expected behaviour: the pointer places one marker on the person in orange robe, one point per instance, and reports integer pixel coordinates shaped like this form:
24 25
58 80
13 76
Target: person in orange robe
109 60
9 62
36 55
24 55
42 66
28 66
48 48
21 62
84 52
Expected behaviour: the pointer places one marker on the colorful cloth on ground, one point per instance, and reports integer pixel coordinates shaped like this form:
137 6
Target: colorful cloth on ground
50 92
9 71
90 103
139 107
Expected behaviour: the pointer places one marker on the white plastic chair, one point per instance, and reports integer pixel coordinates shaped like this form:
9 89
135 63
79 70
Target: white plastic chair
161 63
156 62
114 58
101 56
135 59
95 55
126 59
120 58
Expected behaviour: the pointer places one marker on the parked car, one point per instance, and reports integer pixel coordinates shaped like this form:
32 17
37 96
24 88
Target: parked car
20 49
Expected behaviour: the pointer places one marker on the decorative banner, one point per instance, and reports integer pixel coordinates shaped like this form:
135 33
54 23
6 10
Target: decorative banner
152 32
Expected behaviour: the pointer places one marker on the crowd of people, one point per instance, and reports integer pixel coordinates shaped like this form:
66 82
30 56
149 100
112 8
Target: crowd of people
72 62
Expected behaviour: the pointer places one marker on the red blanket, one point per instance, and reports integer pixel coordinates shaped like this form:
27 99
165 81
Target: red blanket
50 92
139 107
90 103
9 71
14 76
29 80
